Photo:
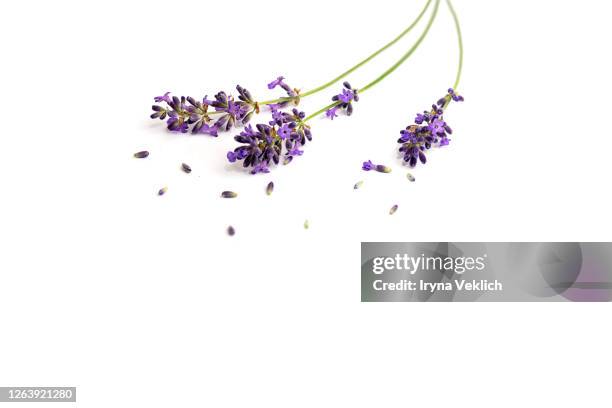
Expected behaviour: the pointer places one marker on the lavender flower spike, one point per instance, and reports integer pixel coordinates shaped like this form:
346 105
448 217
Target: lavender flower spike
263 145
430 130
186 113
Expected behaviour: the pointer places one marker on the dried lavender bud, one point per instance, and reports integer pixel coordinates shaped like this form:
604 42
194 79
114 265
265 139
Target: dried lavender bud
306 224
186 168
358 185
141 155
229 194
231 231
367 166
393 209
162 191
429 130
270 188
410 177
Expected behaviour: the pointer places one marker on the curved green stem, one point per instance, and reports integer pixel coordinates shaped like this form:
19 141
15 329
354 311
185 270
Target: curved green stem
393 67
320 111
359 65
407 54
460 39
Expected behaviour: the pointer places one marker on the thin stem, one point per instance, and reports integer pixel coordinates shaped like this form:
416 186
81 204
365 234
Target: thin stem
359 65
460 39
320 111
407 54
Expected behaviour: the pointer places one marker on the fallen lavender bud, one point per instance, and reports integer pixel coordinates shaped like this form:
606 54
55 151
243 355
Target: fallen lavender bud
429 130
358 185
393 209
410 177
367 166
141 155
231 231
270 188
229 194
162 191
186 168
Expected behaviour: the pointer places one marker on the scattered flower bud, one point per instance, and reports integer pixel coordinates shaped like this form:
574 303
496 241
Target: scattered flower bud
358 185
393 209
270 188
367 166
231 231
162 191
141 155
229 194
186 168
410 177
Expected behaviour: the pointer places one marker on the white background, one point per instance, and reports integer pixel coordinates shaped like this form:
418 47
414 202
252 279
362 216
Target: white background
140 300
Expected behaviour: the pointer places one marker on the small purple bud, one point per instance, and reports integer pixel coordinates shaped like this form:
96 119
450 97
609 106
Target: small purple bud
367 166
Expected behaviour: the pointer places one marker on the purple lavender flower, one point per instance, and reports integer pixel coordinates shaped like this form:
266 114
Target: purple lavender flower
231 111
344 101
331 113
187 112
278 81
284 131
263 145
430 130
210 130
292 94
367 166
164 98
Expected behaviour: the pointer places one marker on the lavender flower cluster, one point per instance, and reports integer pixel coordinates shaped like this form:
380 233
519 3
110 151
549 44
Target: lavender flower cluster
212 116
343 101
429 130
262 145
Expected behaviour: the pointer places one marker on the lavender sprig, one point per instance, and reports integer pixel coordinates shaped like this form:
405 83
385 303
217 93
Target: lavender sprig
429 130
219 114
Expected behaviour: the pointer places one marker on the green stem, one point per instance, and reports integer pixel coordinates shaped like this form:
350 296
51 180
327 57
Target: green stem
460 39
359 65
407 54
320 111
392 68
